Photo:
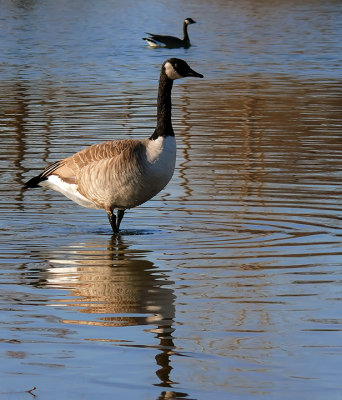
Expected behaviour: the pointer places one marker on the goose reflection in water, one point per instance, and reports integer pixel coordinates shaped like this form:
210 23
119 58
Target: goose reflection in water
115 280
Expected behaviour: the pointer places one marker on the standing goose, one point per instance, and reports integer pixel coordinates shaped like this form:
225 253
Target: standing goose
122 174
171 41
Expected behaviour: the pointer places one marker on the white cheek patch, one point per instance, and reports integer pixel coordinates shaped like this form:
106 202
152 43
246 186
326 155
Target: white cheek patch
171 72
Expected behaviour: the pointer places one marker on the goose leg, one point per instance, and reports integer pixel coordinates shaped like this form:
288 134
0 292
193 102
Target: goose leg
112 220
120 216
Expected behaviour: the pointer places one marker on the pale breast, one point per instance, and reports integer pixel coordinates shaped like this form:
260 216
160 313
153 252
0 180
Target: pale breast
160 164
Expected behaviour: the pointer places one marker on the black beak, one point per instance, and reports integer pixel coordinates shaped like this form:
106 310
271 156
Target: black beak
191 72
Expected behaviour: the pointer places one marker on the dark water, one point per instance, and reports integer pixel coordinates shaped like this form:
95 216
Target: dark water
228 283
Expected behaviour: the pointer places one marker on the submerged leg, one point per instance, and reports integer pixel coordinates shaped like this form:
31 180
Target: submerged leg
112 220
120 216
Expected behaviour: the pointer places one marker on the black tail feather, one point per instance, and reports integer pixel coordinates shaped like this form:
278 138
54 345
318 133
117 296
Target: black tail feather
35 181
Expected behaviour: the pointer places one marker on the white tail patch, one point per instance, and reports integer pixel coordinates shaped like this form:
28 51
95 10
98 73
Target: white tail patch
153 43
69 190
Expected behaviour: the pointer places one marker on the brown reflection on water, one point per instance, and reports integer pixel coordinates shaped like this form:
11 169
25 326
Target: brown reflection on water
260 125
13 117
186 145
264 151
26 131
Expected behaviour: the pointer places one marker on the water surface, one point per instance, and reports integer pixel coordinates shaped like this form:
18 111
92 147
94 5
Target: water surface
228 283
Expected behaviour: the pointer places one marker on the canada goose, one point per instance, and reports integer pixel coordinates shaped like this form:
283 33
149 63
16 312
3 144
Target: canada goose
122 174
171 41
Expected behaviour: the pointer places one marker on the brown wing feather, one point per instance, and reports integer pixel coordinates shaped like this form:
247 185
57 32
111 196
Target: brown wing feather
104 177
70 168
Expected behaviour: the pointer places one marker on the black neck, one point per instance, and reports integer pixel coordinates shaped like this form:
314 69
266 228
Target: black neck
164 124
185 32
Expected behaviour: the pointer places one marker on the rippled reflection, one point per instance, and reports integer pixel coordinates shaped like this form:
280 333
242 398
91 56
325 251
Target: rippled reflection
271 176
114 286
112 281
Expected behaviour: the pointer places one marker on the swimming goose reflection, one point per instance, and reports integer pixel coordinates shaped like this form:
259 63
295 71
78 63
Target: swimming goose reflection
116 286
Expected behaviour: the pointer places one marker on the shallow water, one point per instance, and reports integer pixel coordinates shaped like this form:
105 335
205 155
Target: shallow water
228 283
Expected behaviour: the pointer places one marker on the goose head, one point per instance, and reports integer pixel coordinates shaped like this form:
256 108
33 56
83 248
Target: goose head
189 21
176 68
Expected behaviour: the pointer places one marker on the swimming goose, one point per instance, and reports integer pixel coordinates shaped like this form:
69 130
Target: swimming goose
122 174
171 41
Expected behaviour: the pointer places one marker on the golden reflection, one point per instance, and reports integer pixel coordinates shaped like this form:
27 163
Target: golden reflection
252 134
13 121
113 280
185 135
259 151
